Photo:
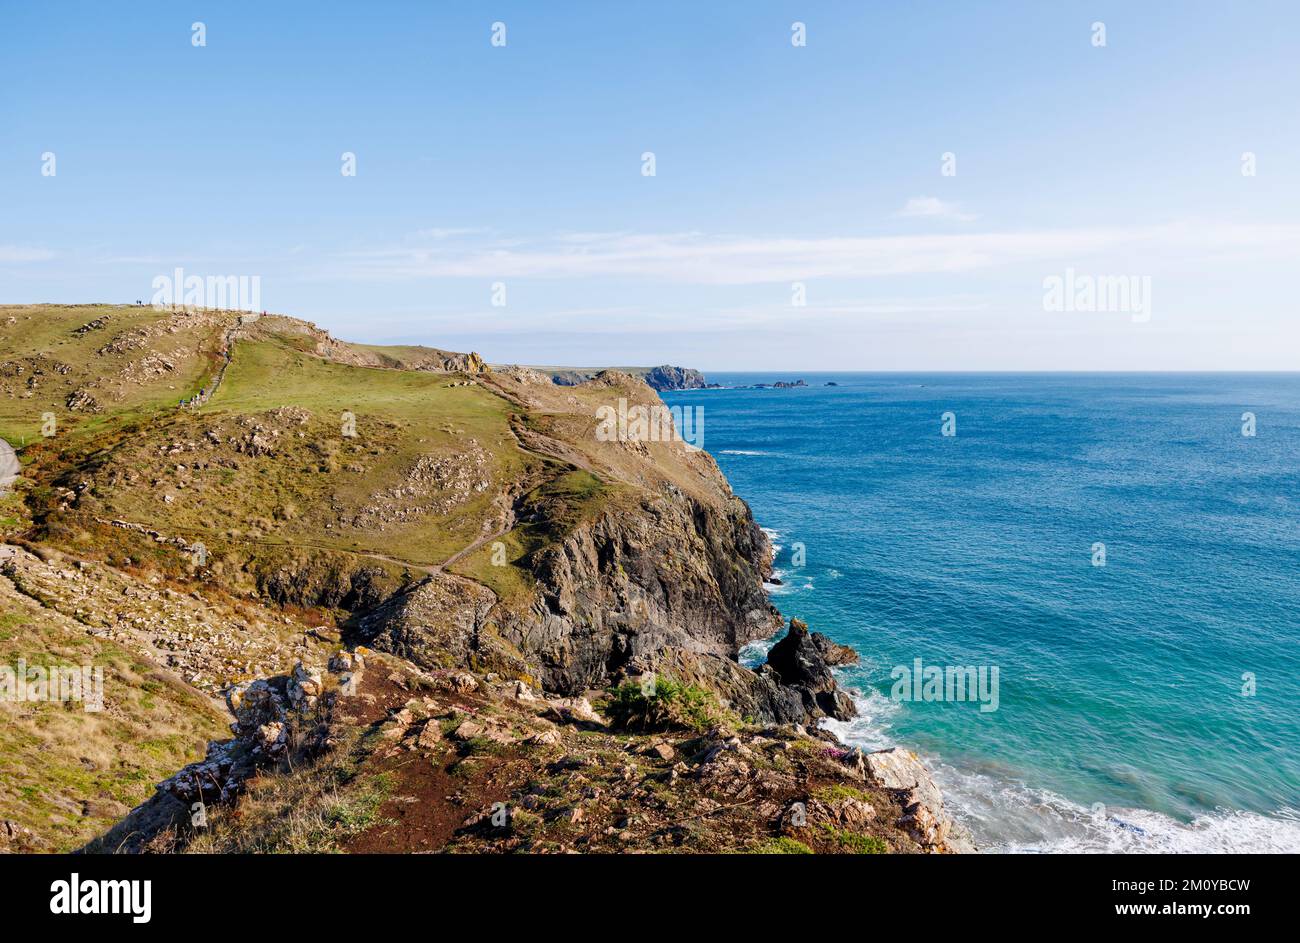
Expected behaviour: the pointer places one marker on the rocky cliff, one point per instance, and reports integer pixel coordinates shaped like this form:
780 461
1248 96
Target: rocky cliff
553 610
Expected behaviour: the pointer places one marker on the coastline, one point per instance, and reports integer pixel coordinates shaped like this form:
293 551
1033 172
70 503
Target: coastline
881 526
1010 816
896 767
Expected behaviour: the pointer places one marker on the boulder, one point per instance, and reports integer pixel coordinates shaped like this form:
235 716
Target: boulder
575 710
430 735
304 686
902 772
468 730
254 704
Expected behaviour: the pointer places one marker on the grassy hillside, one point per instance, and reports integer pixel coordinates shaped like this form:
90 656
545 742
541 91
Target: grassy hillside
66 774
188 548
128 361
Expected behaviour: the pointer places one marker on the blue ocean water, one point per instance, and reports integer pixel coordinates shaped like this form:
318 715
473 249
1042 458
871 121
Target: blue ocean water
1125 720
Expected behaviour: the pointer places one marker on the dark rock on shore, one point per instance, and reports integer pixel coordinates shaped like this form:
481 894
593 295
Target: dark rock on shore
800 661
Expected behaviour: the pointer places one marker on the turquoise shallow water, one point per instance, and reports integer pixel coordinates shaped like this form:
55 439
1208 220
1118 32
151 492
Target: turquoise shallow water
1121 722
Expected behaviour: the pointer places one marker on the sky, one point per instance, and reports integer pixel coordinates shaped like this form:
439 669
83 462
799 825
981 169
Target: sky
924 176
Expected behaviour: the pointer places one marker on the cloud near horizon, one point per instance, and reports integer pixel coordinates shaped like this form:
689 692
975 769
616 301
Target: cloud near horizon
692 257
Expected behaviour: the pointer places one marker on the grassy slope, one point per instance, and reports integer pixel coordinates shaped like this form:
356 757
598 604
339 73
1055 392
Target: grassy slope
48 331
67 773
295 496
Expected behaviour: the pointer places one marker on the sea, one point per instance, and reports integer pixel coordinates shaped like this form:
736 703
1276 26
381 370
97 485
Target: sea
1123 549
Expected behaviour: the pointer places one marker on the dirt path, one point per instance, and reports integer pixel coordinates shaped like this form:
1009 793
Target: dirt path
227 352
10 468
506 519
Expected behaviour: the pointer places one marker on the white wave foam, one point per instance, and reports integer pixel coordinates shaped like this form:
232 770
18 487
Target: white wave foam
742 452
1009 817
870 729
755 653
787 584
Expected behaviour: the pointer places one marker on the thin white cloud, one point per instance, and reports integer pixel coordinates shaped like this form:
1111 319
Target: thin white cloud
680 318
695 258
932 207
20 254
448 232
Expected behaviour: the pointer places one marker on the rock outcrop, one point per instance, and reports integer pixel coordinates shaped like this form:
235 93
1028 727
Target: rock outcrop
661 378
673 586
533 774
800 661
667 377
437 623
903 773
673 573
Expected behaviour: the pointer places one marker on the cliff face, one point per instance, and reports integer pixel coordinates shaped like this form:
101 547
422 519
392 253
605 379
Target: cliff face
672 586
671 573
665 577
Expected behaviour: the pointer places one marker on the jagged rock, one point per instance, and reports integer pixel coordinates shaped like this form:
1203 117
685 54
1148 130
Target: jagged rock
271 738
675 572
345 662
575 710
667 377
434 623
850 813
833 653
255 704
468 730
304 687
799 662
430 735
458 682
216 778
82 402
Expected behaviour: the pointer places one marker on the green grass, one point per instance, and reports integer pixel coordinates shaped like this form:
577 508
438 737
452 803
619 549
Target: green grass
54 756
839 791
781 846
46 332
312 808
672 705
317 475
563 502
854 843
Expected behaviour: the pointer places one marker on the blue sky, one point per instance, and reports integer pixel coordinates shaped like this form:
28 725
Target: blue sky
775 164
